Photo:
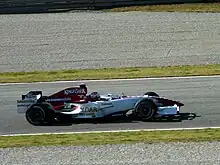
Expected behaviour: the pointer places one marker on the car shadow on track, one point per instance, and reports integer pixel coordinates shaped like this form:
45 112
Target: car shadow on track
180 118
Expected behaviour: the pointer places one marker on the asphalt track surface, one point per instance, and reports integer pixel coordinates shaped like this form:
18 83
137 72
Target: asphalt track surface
96 40
200 96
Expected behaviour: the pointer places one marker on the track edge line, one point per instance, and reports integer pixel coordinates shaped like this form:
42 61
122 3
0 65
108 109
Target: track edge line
135 130
108 80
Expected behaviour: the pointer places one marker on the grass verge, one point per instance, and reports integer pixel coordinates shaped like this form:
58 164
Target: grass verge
110 73
201 135
196 7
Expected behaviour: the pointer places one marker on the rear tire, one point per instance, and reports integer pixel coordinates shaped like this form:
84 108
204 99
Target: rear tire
40 115
145 110
35 116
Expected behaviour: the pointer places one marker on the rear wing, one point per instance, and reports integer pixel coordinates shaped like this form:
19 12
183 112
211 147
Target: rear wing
32 94
27 100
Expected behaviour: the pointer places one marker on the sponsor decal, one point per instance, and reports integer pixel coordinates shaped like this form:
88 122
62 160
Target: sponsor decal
89 109
26 101
23 105
74 91
61 99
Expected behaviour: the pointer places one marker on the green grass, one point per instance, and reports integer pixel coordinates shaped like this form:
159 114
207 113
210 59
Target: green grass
111 73
196 7
112 138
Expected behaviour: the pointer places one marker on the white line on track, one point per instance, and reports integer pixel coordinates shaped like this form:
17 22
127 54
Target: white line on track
137 130
108 80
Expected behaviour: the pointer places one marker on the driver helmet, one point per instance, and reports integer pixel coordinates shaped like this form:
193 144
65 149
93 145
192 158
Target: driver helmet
95 95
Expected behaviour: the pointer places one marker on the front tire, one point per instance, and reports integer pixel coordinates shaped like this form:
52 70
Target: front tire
152 94
145 110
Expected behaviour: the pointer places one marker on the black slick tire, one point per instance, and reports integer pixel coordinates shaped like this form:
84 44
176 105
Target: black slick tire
152 94
145 110
40 115
35 116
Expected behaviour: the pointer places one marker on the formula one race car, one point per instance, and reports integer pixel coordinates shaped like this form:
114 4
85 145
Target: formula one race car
74 103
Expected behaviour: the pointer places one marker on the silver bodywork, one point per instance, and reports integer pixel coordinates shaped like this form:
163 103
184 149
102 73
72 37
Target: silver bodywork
112 106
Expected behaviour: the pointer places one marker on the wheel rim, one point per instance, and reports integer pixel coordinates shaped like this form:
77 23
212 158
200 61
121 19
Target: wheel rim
36 116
